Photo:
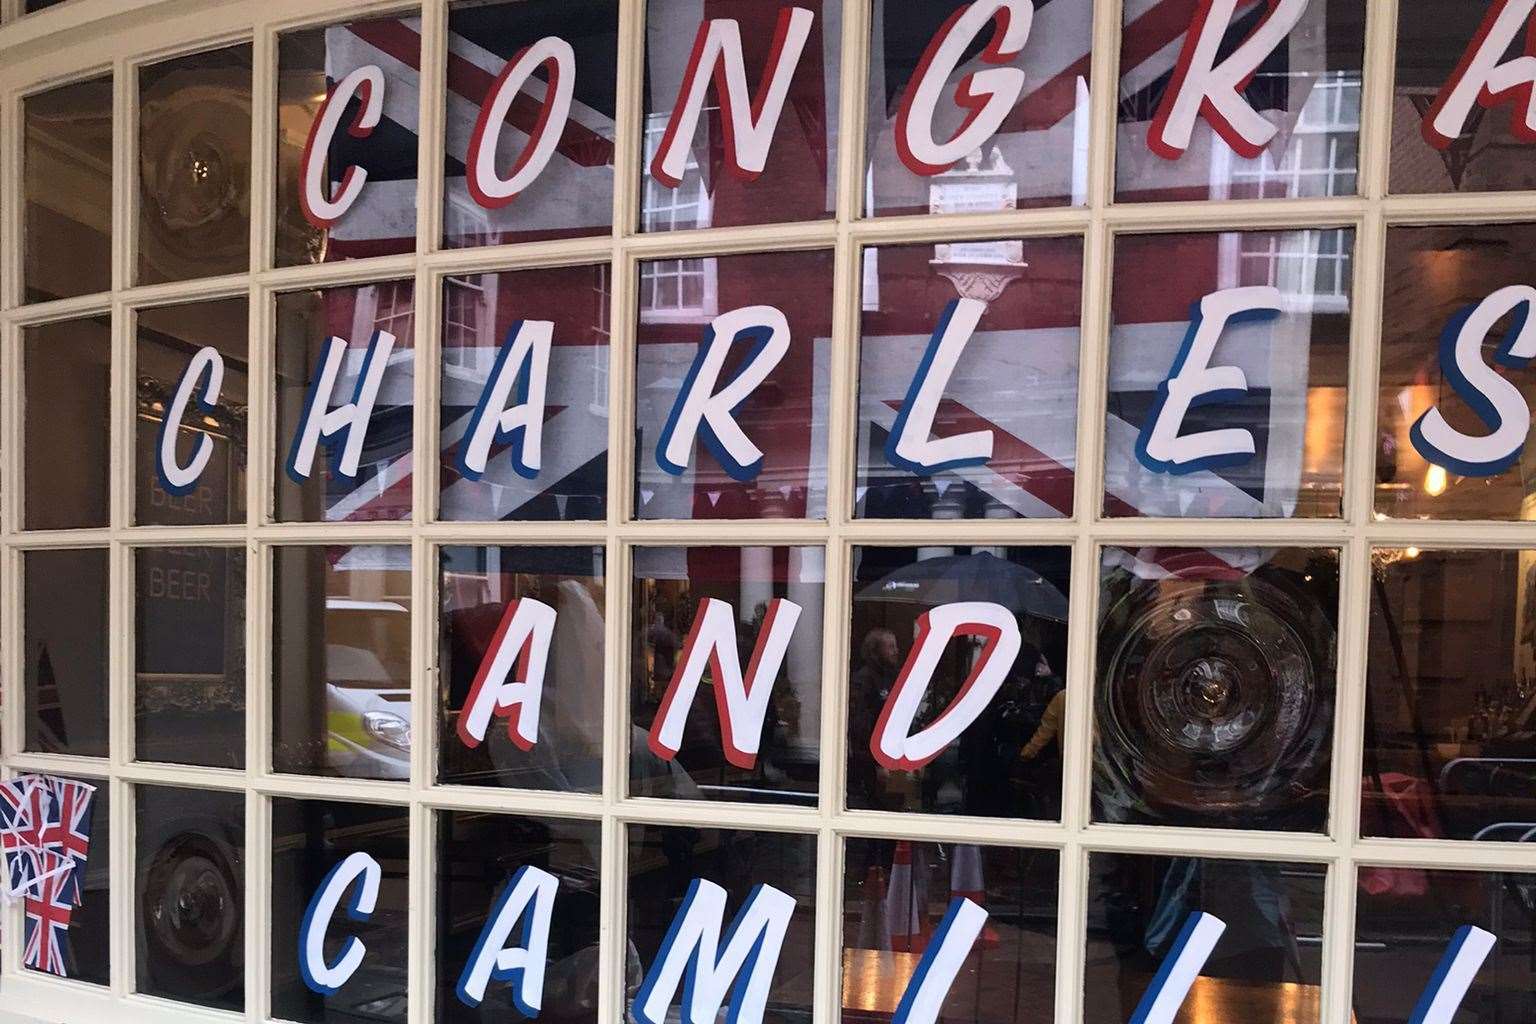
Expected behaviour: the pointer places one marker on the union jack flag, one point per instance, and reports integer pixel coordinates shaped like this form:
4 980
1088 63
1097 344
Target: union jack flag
68 827
47 917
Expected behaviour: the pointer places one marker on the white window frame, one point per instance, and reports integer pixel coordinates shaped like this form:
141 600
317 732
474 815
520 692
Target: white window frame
88 37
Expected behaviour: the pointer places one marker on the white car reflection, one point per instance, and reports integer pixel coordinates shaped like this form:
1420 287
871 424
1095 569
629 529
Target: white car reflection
368 688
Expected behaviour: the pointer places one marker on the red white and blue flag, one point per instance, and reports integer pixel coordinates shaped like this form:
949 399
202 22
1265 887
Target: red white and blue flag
47 917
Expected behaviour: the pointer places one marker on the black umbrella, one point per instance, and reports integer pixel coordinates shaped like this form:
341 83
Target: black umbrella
977 577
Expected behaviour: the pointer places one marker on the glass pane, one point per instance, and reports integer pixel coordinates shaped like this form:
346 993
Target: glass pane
773 464
64 642
573 194
332 476
1039 154
195 166
696 171
379 219
68 189
1406 920
310 839
1445 286
1450 732
1216 681
189 907
726 620
169 339
66 368
1266 967
1307 89
664 863
895 895
1469 143
341 661
932 625
493 596
87 949
189 646
968 379
1228 370
478 855
561 472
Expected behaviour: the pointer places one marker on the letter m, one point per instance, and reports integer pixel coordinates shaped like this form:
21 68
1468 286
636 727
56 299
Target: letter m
691 955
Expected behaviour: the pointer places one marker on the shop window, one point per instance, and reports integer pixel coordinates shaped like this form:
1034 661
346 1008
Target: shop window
67 158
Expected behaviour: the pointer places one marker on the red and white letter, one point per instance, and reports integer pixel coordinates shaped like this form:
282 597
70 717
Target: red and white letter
1201 86
1481 79
741 703
987 95
893 744
521 640
485 183
748 125
321 210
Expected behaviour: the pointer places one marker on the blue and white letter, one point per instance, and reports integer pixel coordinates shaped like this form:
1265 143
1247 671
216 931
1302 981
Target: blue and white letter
317 426
1494 400
691 948
1193 381
1161 1002
700 411
522 362
530 895
946 953
909 446
320 976
1448 986
174 478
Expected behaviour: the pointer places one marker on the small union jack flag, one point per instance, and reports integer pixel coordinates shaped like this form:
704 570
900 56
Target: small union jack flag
67 829
47 917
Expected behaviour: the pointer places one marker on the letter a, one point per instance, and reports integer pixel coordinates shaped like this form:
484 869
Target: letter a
741 704
317 425
1468 950
174 478
691 947
522 638
530 895
698 408
935 975
749 125
1481 79
326 978
893 744
909 447
522 362
320 209
1192 381
1161 1002
1201 86
986 95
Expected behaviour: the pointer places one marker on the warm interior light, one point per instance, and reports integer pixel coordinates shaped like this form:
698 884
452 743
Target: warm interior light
1412 552
1435 481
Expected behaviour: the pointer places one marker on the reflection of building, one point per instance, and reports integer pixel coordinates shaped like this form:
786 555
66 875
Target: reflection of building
979 270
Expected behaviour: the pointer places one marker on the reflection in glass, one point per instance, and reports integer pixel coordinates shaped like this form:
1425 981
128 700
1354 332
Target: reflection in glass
310 63
189 902
1265 969
64 647
67 177
87 951
664 861
1040 155
1007 763
1407 918
784 417
309 839
1450 731
480 316
189 646
896 892
670 588
341 661
1295 363
1015 381
1216 681
1308 89
381 486
573 195
195 166
66 367
477 855
168 338
797 181
479 586
1433 276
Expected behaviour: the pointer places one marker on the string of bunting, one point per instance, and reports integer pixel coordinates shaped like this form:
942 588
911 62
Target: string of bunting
45 838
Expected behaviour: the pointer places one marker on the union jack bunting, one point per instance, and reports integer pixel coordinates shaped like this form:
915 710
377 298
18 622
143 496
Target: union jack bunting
47 917
68 827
